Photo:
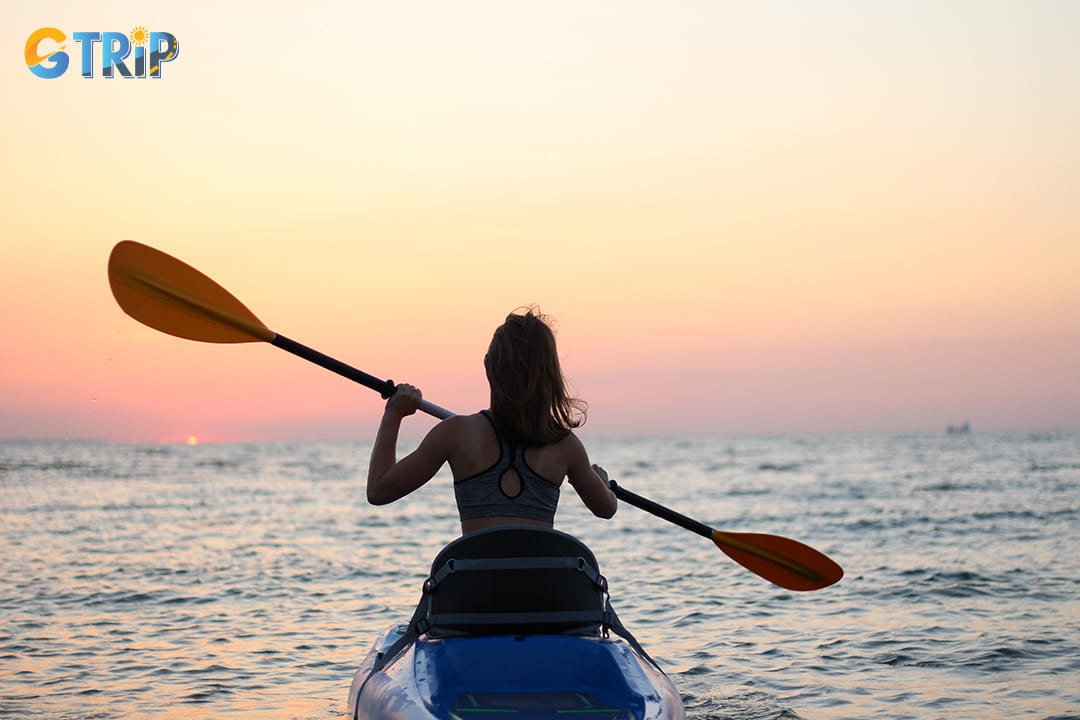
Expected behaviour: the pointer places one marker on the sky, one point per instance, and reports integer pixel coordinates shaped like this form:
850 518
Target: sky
774 217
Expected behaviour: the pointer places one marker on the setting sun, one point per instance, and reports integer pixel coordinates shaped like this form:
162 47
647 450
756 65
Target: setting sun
192 440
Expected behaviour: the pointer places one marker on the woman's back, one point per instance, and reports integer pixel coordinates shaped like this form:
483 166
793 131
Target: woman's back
478 448
499 483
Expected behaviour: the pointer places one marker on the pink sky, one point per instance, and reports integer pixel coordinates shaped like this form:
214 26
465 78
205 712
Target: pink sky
775 218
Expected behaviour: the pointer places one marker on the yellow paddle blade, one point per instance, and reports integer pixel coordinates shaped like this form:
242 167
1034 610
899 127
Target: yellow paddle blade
171 296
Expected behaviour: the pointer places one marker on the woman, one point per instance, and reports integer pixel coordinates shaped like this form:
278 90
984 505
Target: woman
508 462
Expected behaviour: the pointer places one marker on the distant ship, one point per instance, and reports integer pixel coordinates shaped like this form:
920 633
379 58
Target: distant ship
959 429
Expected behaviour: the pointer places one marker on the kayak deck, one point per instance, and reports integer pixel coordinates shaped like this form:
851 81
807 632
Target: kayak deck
523 677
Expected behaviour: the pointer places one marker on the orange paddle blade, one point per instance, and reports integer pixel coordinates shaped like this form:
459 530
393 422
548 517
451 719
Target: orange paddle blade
171 296
783 561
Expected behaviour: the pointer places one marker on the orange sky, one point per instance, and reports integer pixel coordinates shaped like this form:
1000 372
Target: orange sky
785 217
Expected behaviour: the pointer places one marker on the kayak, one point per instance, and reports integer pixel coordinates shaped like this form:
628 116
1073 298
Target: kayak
534 677
513 621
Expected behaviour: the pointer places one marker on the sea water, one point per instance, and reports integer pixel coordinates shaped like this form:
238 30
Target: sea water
247 581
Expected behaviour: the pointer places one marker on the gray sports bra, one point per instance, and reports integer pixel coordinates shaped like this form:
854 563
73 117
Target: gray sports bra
482 495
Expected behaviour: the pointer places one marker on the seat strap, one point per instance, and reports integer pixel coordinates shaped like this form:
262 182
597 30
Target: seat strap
584 617
412 632
612 622
454 565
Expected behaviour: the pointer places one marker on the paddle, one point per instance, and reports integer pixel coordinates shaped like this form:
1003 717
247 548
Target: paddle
780 560
171 296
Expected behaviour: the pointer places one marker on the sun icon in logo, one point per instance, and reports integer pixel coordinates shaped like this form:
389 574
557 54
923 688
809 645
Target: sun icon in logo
139 36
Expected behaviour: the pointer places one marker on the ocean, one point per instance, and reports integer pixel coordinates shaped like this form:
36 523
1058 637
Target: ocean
247 581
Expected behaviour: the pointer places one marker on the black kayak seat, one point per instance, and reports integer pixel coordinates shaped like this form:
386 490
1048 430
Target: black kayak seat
512 580
516 579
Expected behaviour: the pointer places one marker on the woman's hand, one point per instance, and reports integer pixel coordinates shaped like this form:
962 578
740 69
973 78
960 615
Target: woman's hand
405 400
603 475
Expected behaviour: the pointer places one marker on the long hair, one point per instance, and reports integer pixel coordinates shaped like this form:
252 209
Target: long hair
529 400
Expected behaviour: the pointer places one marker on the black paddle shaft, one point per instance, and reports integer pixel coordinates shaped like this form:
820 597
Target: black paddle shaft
661 511
383 387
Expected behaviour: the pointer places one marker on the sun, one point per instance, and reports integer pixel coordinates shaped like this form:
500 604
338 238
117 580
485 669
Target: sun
192 440
139 35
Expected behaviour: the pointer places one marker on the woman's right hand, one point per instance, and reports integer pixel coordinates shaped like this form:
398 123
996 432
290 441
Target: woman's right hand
405 400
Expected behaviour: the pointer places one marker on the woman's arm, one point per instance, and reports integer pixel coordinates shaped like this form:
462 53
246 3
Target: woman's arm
590 481
390 479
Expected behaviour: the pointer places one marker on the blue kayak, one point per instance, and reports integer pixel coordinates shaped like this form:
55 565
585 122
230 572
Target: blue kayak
513 621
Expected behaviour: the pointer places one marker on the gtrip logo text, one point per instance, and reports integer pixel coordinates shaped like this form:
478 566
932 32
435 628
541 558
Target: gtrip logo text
47 52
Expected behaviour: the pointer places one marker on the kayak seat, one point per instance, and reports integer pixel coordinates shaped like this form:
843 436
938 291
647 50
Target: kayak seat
512 580
516 580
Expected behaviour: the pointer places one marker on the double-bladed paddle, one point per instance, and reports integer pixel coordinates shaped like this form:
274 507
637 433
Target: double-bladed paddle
171 296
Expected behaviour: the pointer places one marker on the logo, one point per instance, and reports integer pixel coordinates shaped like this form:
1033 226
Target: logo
46 56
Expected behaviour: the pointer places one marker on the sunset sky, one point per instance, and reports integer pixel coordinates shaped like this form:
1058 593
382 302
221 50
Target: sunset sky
745 217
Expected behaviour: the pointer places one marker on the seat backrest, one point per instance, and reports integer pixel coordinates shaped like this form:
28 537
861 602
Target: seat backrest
515 580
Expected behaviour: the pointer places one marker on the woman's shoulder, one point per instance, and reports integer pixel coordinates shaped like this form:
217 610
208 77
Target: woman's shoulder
571 442
456 434
463 424
568 447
